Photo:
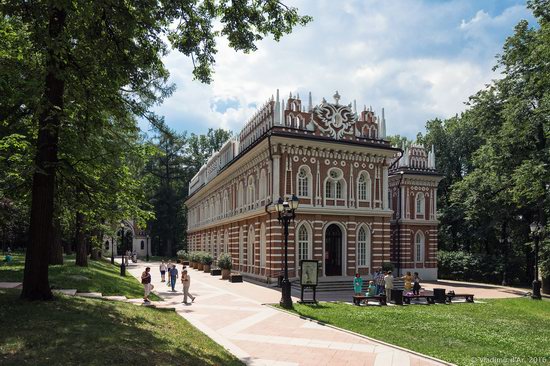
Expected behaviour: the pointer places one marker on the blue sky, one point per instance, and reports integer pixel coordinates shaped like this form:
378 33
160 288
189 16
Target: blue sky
419 59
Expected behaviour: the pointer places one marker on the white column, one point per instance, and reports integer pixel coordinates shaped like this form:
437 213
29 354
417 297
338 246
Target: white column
385 189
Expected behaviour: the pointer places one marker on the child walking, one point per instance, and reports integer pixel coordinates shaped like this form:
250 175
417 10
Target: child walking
416 285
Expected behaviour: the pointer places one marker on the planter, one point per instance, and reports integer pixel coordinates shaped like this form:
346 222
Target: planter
225 274
545 285
195 265
200 267
235 277
185 263
206 268
215 272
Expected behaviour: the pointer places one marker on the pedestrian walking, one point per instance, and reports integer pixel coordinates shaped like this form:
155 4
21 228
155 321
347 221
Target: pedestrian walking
173 277
416 284
162 269
186 281
147 285
168 268
388 284
379 281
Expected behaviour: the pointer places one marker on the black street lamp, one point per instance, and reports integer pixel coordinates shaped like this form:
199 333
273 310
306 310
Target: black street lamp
122 265
398 222
113 250
147 254
286 211
536 231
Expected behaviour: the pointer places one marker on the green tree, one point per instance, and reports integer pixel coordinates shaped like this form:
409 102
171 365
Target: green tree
108 55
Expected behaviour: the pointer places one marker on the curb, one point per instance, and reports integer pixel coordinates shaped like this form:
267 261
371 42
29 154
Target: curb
362 336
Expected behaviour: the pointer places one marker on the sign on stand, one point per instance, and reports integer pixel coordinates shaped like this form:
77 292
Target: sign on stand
309 277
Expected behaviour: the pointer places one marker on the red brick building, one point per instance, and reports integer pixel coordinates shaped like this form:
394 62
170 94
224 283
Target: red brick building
349 182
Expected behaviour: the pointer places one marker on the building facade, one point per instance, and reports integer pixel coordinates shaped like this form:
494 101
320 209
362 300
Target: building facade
358 194
135 240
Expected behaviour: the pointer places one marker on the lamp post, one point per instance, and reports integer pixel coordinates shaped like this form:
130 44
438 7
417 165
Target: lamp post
286 211
147 254
122 264
398 222
536 231
113 249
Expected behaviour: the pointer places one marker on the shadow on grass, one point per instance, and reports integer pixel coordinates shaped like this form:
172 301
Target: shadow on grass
76 331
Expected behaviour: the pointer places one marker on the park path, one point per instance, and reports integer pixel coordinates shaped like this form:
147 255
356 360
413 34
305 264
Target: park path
233 315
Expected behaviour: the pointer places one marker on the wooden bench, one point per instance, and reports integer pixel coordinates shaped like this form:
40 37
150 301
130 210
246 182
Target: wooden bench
429 298
358 299
467 297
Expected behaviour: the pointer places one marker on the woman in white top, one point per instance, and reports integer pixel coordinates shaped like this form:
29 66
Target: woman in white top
162 269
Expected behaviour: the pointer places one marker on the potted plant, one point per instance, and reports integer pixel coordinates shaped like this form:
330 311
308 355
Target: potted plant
183 257
200 264
225 263
207 262
195 260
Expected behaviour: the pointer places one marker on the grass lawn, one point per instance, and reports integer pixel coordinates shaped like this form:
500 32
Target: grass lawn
78 331
465 334
99 276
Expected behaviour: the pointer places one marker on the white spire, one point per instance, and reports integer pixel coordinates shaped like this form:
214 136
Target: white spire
383 126
310 103
433 157
282 112
277 116
297 95
354 106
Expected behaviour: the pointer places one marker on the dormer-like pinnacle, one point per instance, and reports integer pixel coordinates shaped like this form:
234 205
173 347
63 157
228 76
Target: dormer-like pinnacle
336 97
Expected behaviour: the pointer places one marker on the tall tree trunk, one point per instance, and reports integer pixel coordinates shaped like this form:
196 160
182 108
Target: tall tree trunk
80 241
35 281
56 250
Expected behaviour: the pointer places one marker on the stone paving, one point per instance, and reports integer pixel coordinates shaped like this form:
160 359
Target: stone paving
234 315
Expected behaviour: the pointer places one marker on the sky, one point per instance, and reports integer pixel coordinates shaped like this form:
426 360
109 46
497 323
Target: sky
417 59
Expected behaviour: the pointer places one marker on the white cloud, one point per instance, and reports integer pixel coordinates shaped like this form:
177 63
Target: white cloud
418 59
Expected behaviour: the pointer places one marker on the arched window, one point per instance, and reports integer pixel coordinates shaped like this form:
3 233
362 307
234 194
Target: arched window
251 191
250 249
338 189
363 247
225 203
226 241
106 244
241 245
240 198
335 185
262 189
303 243
304 181
289 120
419 247
363 186
328 189
420 204
142 245
262 245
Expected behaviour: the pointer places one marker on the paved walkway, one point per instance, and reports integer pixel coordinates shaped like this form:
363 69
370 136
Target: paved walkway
233 315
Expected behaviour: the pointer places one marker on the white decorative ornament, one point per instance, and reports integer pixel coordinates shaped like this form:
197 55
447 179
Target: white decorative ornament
371 166
295 158
304 159
312 160
335 119
342 163
356 165
327 162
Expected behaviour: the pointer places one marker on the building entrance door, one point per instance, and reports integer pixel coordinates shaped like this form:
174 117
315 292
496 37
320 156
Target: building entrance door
333 251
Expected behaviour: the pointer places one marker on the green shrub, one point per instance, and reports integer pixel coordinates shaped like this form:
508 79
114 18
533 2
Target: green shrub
207 259
182 254
387 266
225 261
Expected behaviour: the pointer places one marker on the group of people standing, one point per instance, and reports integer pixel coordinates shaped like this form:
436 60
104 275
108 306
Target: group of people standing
382 283
170 270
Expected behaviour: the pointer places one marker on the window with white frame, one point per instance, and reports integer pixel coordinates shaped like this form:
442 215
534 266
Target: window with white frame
251 191
335 184
240 194
303 243
363 186
226 241
419 247
250 249
304 181
363 246
262 189
262 245
241 246
420 203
